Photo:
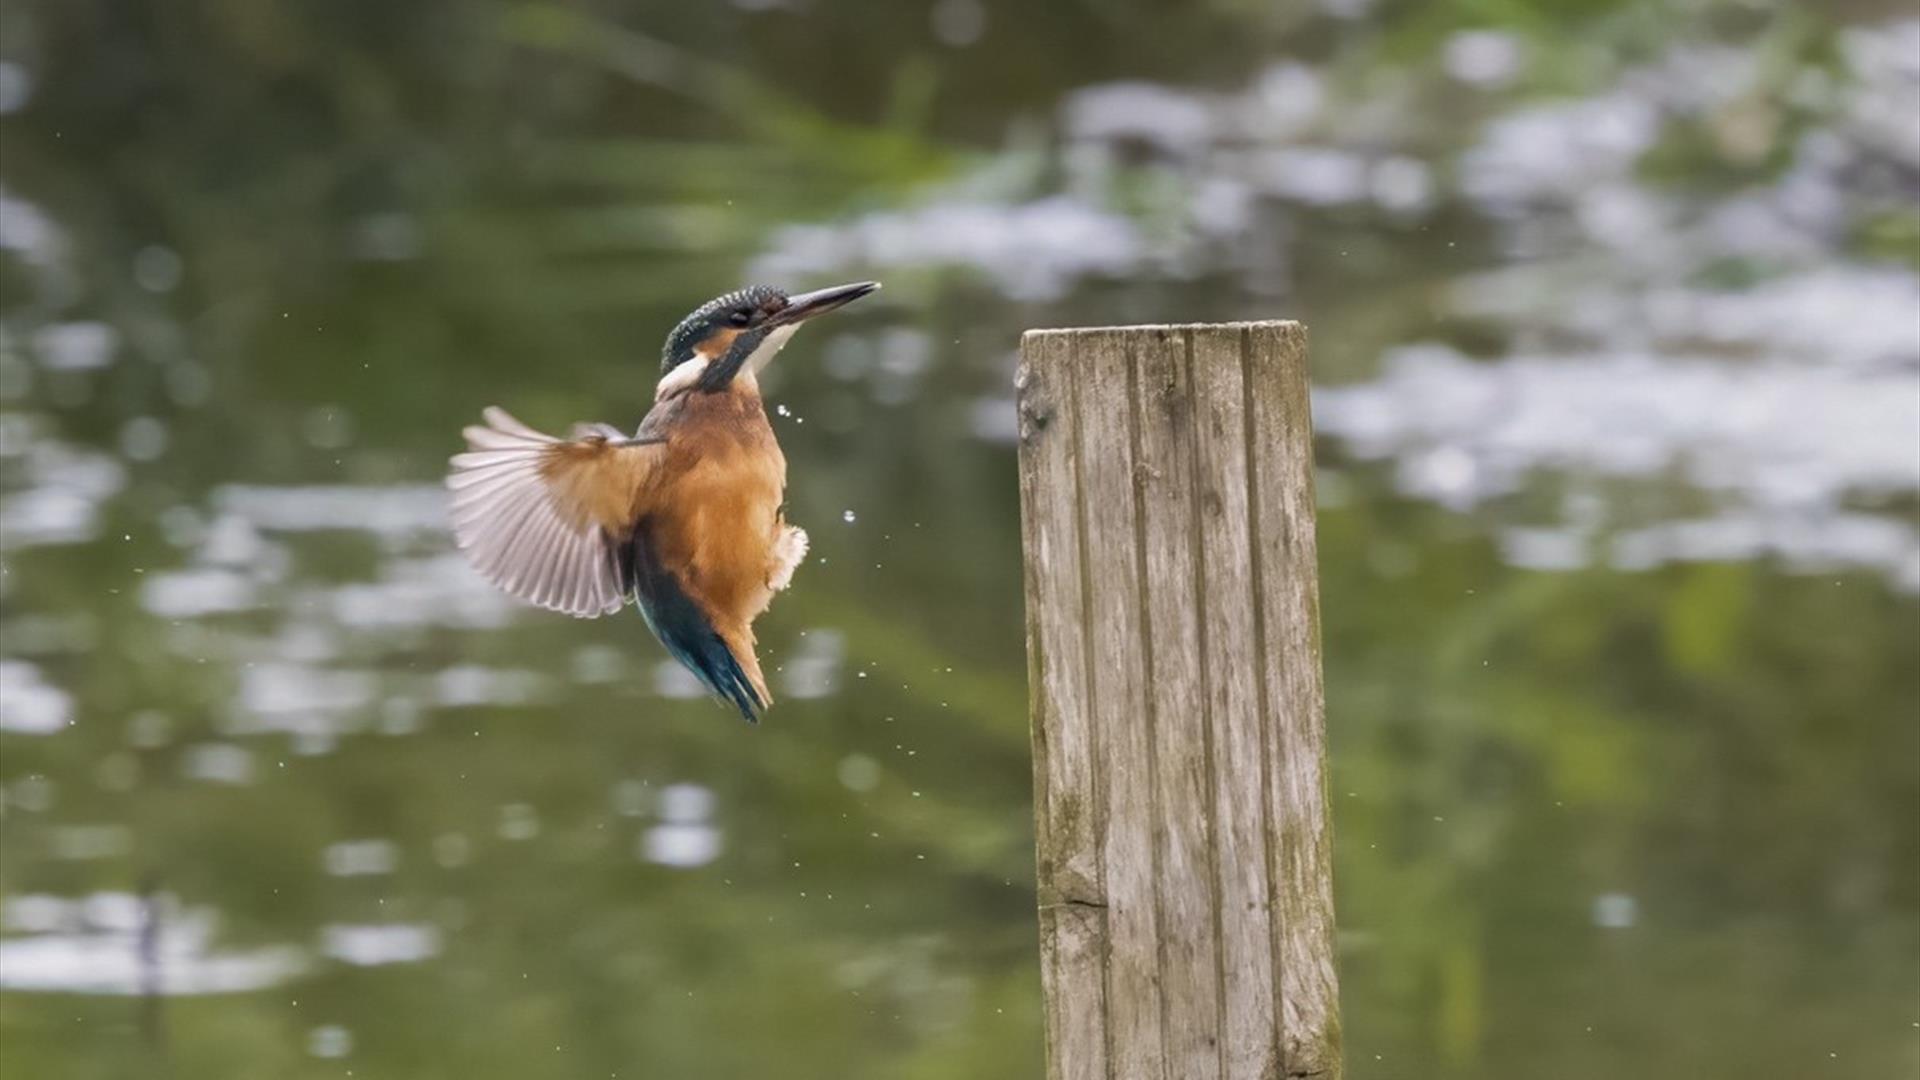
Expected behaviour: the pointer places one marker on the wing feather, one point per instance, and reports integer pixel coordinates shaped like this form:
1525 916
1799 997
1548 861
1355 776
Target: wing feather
531 511
502 420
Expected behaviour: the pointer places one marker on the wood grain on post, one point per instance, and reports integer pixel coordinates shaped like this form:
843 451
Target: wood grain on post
1173 651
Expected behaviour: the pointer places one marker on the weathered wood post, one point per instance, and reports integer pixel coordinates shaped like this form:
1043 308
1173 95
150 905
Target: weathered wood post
1186 907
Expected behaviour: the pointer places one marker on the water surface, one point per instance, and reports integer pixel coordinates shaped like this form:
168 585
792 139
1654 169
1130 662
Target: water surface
1616 342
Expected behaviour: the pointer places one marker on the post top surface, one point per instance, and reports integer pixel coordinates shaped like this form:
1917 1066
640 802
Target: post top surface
1282 325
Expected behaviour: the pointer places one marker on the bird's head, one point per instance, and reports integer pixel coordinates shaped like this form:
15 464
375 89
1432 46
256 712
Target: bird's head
742 331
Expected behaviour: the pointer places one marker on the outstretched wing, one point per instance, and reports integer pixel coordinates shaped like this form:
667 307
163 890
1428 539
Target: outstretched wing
540 516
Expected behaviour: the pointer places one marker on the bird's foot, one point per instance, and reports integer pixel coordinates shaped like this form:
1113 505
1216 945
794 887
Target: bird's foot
788 550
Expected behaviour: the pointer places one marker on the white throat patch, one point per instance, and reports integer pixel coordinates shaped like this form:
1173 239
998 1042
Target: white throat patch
688 371
681 378
772 344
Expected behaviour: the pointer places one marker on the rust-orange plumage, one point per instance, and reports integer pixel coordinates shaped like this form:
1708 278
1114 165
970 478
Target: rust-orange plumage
682 518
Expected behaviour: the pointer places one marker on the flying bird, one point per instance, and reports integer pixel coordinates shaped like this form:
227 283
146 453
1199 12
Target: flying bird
683 518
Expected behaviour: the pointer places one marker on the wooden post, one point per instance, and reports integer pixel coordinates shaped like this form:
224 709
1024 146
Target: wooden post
1173 655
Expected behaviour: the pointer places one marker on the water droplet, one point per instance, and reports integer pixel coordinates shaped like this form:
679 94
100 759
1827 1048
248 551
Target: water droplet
847 516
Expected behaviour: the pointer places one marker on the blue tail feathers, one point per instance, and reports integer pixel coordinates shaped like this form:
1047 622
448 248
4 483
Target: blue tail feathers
685 630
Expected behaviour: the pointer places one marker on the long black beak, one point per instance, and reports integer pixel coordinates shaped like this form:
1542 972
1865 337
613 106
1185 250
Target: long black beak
820 301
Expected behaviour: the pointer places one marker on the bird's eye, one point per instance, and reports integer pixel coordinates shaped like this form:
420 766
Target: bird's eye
739 318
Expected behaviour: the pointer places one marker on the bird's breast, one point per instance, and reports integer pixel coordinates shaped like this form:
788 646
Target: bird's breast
716 514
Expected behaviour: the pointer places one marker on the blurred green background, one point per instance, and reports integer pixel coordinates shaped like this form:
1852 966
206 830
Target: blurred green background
1616 320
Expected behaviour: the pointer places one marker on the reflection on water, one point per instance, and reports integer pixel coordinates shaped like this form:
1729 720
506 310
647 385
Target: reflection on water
98 944
367 946
684 836
1781 446
58 501
1617 366
1031 251
93 945
28 704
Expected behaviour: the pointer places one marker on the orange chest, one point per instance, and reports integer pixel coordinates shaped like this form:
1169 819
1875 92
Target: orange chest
721 452
715 514
735 485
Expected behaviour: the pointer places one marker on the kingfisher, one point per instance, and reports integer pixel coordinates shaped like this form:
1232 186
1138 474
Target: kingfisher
684 518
